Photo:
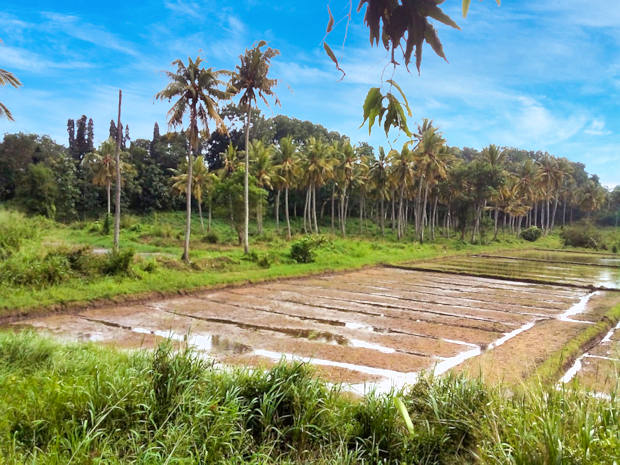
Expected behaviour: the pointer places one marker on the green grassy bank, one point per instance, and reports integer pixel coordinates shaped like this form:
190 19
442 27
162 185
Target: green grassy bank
51 265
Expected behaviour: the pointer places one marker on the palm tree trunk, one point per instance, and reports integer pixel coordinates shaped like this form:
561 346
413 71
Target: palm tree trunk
108 188
209 220
424 210
278 211
288 221
333 197
246 186
202 223
496 222
306 210
117 210
434 218
316 226
382 215
555 209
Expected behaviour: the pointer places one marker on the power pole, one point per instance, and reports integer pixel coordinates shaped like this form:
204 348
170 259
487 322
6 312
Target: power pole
117 211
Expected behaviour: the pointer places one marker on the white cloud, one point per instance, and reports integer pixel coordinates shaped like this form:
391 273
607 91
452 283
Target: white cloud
77 28
597 128
22 59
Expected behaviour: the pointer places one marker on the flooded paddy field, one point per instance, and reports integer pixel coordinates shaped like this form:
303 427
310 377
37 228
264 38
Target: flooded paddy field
371 329
594 271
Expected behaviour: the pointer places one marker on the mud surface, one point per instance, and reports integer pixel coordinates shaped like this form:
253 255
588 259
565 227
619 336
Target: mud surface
376 328
563 268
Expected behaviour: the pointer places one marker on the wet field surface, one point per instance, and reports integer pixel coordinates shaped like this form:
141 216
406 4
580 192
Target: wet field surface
595 271
375 328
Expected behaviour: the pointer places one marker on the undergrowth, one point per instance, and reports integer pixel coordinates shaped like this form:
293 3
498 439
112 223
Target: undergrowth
62 404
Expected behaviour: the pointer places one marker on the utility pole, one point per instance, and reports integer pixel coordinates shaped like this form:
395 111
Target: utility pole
117 211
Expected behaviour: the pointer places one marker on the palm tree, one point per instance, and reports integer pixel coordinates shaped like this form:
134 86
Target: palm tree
287 170
403 175
344 159
380 178
103 164
431 166
495 157
197 91
202 183
261 156
317 169
251 79
7 78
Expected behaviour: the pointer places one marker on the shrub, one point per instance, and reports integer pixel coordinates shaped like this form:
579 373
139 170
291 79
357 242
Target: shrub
531 234
211 238
303 250
14 229
614 249
264 261
118 262
582 236
107 223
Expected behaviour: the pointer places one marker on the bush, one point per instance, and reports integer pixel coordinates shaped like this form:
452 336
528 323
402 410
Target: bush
531 234
303 250
264 261
583 236
118 262
211 238
14 229
107 223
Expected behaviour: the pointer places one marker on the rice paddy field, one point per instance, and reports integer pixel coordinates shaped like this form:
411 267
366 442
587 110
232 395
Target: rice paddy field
378 329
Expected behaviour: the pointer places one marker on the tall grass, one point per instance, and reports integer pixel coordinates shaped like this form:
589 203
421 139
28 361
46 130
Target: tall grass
63 404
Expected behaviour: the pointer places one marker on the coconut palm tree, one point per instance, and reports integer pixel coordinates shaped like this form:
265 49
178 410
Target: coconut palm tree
379 175
287 170
197 91
317 169
103 164
403 174
344 160
431 166
202 184
261 156
9 78
251 80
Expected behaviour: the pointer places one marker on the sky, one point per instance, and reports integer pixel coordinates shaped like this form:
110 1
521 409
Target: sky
532 74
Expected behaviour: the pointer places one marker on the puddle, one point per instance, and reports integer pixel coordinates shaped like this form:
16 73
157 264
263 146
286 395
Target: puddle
209 343
578 308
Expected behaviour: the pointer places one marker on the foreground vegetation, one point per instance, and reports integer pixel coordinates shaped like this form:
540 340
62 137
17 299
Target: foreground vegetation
85 404
47 263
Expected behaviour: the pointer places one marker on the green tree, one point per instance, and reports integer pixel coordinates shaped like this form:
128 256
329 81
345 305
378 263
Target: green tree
252 82
202 184
37 190
261 156
197 91
287 171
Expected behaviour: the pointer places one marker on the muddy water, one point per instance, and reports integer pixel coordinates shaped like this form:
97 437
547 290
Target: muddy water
554 267
372 329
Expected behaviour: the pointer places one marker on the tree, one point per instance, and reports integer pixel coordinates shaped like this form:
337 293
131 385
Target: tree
9 78
287 170
103 165
261 156
197 91
380 179
202 184
251 80
316 168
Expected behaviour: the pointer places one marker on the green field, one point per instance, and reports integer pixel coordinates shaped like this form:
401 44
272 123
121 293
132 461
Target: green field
157 268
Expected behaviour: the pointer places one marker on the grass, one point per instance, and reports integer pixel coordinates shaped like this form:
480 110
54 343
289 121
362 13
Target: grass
82 404
553 366
157 241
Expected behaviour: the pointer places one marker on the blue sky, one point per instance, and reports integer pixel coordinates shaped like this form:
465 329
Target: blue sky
534 74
